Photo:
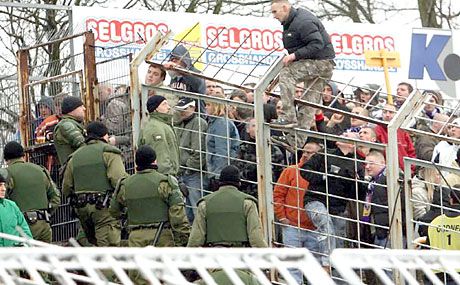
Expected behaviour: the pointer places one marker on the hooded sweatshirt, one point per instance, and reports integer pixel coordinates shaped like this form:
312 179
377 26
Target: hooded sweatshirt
186 82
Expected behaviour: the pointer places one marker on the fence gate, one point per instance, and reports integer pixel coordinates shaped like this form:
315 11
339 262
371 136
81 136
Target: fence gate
42 88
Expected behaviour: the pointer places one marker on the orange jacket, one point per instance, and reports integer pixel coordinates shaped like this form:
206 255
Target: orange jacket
288 198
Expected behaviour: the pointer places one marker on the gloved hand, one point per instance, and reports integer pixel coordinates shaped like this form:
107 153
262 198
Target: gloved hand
184 189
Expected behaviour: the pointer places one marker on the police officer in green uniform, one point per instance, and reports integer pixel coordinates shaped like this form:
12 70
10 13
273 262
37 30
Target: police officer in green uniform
33 190
155 207
152 199
69 133
228 218
90 177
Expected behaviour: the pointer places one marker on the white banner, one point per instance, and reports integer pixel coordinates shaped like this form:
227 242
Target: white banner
226 43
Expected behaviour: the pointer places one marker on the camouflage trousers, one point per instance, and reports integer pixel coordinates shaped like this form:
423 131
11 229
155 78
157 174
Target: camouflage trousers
313 73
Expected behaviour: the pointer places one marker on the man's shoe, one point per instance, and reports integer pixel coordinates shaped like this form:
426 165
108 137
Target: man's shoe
283 124
283 142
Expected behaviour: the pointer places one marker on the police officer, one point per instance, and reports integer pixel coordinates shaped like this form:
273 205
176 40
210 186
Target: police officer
227 217
69 132
90 177
31 187
152 199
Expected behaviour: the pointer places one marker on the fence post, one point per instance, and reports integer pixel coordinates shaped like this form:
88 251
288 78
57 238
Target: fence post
90 75
264 172
394 200
23 76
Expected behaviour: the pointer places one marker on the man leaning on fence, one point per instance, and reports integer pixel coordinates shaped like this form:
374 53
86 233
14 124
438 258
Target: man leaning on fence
31 188
310 60
69 132
90 177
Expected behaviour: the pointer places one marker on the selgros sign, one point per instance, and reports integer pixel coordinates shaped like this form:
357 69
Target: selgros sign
229 47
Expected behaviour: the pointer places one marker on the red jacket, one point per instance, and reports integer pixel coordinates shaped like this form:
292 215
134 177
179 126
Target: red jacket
405 144
288 198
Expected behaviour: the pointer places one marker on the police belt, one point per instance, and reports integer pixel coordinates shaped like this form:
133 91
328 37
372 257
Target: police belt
228 244
166 225
89 198
33 216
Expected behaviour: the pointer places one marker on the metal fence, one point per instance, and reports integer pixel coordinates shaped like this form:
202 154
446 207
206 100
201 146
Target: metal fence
260 158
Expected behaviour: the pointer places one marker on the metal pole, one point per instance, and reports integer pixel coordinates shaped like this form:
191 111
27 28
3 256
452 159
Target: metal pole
394 200
264 172
72 52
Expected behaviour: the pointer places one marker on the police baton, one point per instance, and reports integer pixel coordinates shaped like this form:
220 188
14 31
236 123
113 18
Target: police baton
158 233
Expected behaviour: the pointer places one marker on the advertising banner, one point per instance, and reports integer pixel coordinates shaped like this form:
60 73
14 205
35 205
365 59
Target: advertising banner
231 47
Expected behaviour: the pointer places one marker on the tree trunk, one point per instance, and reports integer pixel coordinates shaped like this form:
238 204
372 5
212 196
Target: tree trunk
427 10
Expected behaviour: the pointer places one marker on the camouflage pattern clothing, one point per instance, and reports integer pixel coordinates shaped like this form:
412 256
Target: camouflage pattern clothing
32 189
69 135
313 73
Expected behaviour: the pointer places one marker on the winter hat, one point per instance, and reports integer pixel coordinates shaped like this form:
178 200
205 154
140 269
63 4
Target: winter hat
2 179
70 103
145 155
96 130
13 150
436 94
229 175
153 102
47 102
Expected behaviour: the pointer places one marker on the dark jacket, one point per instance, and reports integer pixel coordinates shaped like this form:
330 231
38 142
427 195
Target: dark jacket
247 163
435 209
380 213
305 36
187 82
340 165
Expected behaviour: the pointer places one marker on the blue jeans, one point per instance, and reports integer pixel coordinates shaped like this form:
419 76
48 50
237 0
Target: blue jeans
321 219
295 237
193 182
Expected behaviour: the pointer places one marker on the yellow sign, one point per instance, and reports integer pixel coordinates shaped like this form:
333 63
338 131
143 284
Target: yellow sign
191 38
385 59
376 58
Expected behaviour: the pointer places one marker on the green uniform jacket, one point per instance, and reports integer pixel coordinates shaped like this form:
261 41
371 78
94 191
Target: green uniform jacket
52 193
192 141
10 217
159 134
253 225
68 137
171 195
113 163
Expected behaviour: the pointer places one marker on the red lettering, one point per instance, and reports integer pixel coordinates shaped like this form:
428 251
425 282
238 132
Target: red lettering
244 38
124 31
357 44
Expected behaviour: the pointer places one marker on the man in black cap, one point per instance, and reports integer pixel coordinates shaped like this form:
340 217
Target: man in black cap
90 177
227 217
158 133
69 132
191 132
151 198
33 190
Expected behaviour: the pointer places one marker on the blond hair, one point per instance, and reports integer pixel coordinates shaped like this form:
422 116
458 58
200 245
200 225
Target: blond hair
217 109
